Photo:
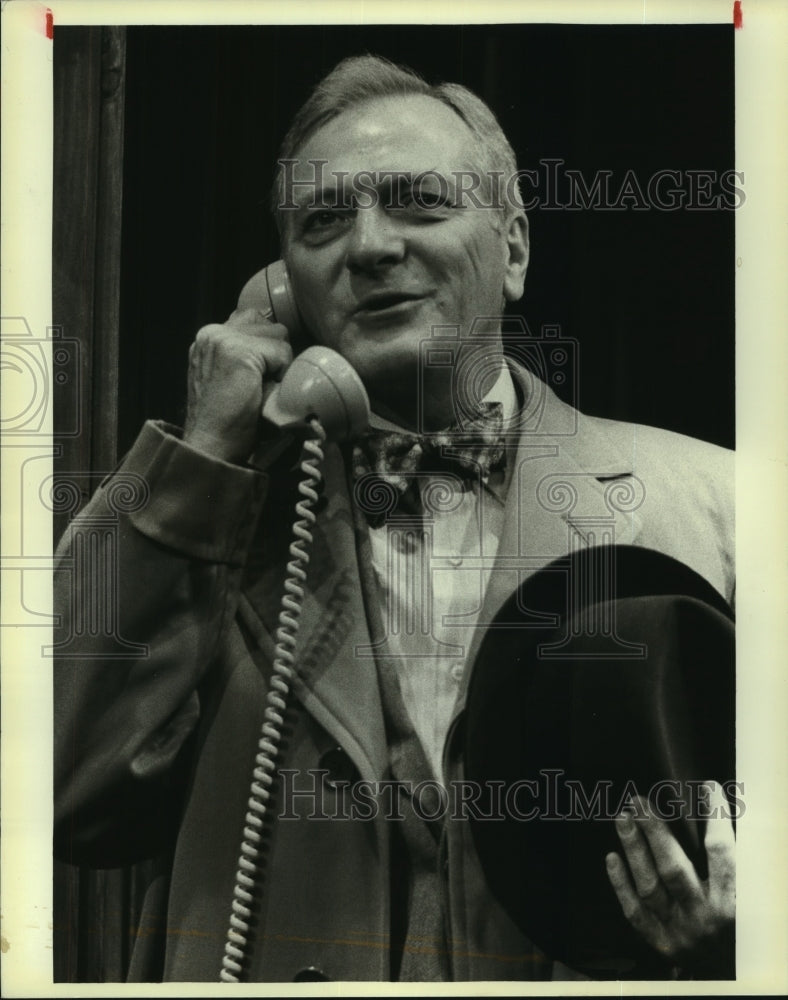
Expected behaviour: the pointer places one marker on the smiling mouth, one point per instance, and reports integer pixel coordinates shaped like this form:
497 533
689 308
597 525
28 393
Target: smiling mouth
383 301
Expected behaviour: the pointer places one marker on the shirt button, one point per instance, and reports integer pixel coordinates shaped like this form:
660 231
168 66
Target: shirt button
457 670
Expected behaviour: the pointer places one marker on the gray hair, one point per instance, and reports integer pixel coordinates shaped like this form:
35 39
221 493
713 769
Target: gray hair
357 79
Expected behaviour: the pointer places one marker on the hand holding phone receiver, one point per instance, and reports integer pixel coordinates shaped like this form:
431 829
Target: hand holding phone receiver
319 381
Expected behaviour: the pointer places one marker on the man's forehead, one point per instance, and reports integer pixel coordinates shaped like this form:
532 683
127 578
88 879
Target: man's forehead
411 132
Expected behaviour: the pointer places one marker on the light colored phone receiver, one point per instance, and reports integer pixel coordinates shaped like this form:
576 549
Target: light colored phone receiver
269 291
319 381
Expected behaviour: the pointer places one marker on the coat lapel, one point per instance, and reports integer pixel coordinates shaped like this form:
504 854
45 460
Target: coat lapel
568 489
337 687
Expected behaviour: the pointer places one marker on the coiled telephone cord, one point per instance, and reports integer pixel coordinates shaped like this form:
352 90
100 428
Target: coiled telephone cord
271 733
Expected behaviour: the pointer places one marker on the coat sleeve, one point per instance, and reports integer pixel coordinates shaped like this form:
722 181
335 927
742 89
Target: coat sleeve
146 579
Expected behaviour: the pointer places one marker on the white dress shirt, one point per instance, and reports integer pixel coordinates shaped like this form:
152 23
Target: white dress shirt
432 585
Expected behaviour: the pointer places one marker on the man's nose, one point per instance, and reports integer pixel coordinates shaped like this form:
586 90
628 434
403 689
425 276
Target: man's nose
375 241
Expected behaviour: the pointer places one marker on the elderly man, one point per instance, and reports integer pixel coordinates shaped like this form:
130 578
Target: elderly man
399 222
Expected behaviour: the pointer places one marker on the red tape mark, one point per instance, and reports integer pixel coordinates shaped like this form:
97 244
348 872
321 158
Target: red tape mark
738 21
49 25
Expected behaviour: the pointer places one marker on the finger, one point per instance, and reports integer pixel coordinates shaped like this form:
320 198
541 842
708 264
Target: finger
673 867
638 855
631 905
255 319
720 844
278 355
201 351
248 316
194 368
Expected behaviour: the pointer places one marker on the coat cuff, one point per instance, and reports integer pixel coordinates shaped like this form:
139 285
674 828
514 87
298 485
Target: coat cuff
200 506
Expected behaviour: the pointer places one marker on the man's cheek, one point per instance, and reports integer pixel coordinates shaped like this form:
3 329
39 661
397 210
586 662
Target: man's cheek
480 256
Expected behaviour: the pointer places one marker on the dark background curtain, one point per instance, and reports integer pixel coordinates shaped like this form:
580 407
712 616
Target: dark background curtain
647 294
93 910
189 120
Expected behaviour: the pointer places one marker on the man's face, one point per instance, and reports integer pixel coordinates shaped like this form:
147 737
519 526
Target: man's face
372 280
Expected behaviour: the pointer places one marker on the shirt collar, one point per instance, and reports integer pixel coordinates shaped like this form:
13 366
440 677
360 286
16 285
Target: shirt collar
502 391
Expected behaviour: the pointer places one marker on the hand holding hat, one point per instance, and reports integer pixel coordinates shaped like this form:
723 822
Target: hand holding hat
607 682
686 919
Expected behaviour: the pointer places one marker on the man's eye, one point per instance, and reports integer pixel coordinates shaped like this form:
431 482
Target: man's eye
426 199
430 199
321 220
325 223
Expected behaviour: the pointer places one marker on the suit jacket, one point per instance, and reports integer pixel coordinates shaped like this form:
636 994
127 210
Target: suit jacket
158 717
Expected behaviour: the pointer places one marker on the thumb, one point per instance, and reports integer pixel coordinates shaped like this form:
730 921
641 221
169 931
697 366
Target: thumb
251 316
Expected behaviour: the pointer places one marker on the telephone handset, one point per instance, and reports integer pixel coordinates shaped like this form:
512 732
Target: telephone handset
321 388
319 381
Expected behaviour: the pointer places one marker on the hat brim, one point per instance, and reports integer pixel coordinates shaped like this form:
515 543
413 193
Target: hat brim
608 673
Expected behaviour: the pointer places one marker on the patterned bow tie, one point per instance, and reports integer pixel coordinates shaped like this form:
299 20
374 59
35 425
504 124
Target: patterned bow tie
387 464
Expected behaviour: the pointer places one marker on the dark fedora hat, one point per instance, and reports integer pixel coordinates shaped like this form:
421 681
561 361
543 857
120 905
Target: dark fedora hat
610 673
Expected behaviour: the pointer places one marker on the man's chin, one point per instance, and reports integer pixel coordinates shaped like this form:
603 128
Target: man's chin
385 376
385 353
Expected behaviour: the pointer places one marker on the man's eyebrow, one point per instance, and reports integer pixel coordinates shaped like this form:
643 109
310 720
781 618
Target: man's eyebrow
388 182
319 196
411 176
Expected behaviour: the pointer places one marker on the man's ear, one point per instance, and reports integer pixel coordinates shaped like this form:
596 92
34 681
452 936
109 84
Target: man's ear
517 261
